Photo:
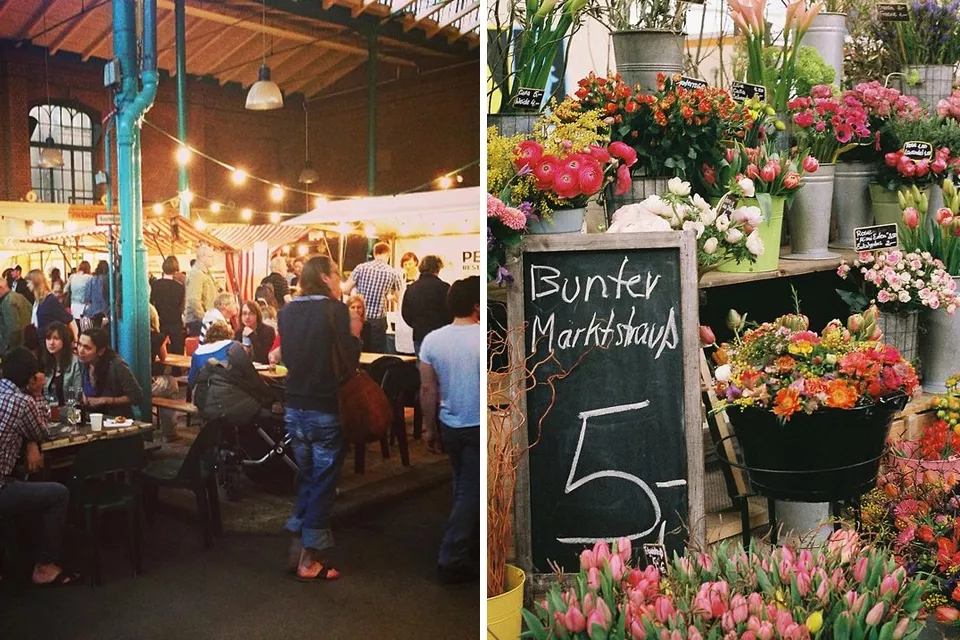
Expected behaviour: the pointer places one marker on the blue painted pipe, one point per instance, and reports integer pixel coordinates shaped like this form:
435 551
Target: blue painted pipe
131 103
111 241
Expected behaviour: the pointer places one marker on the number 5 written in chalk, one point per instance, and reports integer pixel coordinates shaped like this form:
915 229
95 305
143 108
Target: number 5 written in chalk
572 485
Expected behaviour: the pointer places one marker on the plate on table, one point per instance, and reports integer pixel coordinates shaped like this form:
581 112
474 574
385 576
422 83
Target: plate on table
112 423
259 366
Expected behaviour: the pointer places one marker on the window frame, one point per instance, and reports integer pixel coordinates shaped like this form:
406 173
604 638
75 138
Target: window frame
71 190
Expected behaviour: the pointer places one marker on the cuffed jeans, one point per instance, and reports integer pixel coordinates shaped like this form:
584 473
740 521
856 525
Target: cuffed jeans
319 453
463 528
50 500
378 335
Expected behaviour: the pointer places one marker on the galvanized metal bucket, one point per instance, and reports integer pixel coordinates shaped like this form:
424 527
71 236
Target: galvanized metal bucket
643 53
809 217
851 200
826 35
561 221
511 124
940 348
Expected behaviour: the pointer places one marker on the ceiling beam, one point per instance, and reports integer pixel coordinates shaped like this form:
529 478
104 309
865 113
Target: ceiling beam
466 30
360 8
4 5
68 30
289 71
329 80
190 32
229 53
213 39
97 42
287 33
34 19
429 11
329 62
234 73
402 6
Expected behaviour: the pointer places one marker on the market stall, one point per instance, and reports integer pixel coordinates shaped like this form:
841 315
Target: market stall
253 245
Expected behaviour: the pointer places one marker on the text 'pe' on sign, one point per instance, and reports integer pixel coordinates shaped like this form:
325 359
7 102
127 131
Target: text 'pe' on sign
882 236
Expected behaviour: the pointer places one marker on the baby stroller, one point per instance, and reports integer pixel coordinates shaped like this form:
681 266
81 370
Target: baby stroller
253 439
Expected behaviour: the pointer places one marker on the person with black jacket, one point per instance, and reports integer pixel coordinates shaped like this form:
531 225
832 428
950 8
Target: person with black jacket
425 302
109 386
256 336
310 325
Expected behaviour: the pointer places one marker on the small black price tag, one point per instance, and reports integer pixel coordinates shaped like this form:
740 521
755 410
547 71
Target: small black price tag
692 84
743 91
893 12
727 205
656 555
881 236
528 99
695 1
918 150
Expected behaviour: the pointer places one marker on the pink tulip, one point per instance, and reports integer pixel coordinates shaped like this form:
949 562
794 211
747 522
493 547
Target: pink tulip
891 159
754 603
604 612
663 609
706 335
802 580
939 165
705 562
810 164
693 633
637 632
851 598
791 180
923 168
947 614
573 621
858 603
889 585
589 603
588 559
768 174
875 615
602 551
944 216
726 622
593 578
911 218
860 569
595 619
901 628
823 590
739 608
730 154
748 635
624 549
616 568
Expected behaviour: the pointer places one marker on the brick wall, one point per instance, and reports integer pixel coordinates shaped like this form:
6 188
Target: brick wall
427 124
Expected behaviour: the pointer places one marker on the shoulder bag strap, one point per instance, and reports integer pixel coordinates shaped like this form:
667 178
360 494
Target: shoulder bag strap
341 368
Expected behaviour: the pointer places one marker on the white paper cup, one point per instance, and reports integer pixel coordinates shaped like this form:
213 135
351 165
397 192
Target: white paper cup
96 421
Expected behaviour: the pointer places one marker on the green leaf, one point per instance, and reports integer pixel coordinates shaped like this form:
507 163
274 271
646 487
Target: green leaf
854 299
534 626
766 205
886 632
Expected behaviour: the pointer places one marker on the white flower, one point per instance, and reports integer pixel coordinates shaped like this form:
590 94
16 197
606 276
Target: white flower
708 216
750 216
734 236
710 246
831 359
658 206
723 372
678 187
635 218
723 223
904 296
755 244
701 204
696 226
748 189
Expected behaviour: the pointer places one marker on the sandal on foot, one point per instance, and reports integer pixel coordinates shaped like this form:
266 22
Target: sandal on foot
326 574
63 579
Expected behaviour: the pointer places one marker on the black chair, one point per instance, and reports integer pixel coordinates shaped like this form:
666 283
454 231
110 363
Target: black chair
93 493
395 378
196 472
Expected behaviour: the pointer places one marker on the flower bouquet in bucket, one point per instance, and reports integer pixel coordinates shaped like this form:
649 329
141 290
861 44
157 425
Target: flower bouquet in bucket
938 450
845 589
813 410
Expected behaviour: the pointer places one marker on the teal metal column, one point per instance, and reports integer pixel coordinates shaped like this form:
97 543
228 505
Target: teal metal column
131 103
111 240
372 111
183 177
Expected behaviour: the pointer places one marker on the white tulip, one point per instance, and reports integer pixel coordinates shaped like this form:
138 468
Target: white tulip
755 244
748 189
678 187
734 236
723 222
710 246
723 373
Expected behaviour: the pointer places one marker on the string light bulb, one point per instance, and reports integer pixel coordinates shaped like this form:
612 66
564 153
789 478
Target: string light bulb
70 225
187 196
343 229
239 176
275 217
370 231
158 208
246 214
286 248
276 193
215 207
459 179
320 201
445 182
200 224
302 250
183 155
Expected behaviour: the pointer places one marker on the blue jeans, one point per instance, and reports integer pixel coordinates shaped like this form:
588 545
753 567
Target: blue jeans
378 335
319 453
463 528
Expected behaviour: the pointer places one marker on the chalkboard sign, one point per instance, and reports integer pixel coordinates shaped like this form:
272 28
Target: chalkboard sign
530 99
692 84
917 150
893 12
743 91
727 205
882 236
620 451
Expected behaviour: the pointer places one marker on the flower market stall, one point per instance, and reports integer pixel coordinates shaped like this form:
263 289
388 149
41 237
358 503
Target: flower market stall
811 186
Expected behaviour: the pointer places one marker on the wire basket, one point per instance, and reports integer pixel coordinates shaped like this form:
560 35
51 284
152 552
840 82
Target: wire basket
902 330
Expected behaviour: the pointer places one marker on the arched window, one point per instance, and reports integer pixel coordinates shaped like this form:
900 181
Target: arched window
72 133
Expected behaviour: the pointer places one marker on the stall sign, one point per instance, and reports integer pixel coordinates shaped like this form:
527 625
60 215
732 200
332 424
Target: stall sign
619 445
743 91
528 99
108 219
692 84
881 236
917 150
893 12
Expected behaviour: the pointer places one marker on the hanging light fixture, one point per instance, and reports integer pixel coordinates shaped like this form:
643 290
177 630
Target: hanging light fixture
264 95
308 175
50 156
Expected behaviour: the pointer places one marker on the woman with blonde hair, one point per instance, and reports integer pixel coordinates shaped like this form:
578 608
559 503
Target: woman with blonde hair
358 308
46 307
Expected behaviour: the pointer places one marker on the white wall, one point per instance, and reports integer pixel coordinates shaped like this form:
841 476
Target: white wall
461 254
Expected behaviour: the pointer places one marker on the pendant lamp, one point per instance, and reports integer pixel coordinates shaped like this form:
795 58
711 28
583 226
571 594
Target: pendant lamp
264 95
50 156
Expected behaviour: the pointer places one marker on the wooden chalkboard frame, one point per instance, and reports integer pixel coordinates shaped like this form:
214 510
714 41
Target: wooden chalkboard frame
685 244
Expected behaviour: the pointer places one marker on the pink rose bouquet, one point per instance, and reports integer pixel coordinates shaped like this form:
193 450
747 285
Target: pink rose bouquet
899 281
826 125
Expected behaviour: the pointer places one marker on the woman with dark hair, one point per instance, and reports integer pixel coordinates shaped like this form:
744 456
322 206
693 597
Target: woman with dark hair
46 308
266 293
60 364
56 283
109 387
255 336
309 326
168 295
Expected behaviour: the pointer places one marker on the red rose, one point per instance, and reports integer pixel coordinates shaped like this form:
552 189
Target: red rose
925 533
566 183
527 153
545 170
623 151
624 181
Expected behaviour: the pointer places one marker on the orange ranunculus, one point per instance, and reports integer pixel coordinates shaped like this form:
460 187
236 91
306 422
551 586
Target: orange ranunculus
785 364
840 395
787 403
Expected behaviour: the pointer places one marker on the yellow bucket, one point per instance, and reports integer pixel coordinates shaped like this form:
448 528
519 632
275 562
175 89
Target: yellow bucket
503 611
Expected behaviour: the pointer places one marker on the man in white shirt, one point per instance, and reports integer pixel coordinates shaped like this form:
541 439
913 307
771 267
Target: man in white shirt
225 308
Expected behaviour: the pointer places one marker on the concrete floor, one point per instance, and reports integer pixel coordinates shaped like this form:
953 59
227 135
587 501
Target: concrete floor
238 589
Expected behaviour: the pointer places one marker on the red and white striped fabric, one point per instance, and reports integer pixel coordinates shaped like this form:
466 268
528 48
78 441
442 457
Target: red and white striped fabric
240 276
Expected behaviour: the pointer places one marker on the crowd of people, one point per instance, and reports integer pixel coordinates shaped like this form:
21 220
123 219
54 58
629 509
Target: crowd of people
58 351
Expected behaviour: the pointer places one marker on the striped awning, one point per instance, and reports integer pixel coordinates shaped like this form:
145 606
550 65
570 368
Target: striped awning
242 237
164 235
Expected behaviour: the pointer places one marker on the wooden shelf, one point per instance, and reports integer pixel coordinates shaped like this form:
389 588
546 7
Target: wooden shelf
787 268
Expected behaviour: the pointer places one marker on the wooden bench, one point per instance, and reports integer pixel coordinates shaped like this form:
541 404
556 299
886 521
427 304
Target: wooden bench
179 406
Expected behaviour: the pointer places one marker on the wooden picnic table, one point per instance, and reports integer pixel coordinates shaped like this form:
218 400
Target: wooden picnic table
366 359
84 434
